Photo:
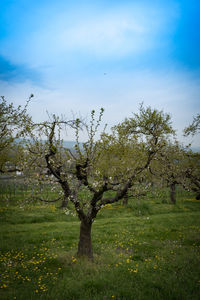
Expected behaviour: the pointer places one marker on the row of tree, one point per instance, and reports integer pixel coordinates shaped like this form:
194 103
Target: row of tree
124 163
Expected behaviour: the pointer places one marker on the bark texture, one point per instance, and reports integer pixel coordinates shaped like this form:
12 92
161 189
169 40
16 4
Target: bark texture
85 242
198 196
173 192
125 199
64 203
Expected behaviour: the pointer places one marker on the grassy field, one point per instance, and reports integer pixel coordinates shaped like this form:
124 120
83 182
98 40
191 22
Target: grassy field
147 250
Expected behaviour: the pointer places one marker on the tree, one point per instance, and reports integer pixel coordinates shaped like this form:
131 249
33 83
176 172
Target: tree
192 173
177 165
170 167
194 127
103 171
14 123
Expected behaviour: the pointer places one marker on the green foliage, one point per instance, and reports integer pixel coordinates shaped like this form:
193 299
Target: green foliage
14 123
148 122
194 128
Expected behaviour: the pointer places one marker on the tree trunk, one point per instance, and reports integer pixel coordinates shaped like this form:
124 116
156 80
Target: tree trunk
85 242
198 196
64 203
173 192
125 200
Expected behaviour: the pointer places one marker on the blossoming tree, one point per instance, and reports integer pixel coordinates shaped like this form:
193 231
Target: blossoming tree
14 123
105 168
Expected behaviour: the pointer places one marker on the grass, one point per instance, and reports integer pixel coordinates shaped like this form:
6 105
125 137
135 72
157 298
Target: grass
147 250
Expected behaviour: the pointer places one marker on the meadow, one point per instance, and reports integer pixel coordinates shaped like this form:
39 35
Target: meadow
148 249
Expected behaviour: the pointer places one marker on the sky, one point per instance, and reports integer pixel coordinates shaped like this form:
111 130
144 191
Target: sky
75 56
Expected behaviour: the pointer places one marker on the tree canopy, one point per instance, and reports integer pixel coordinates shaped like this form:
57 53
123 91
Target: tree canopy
106 168
14 123
194 127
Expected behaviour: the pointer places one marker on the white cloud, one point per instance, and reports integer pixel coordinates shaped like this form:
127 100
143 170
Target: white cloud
111 34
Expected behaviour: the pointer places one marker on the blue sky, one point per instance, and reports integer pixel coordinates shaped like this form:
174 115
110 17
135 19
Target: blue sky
83 55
